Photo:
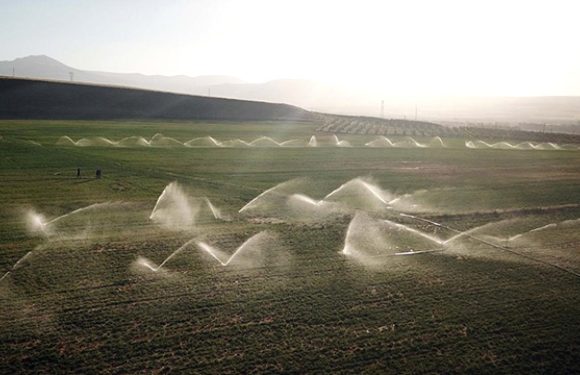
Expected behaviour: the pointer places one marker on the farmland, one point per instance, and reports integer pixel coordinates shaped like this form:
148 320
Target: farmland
389 127
84 299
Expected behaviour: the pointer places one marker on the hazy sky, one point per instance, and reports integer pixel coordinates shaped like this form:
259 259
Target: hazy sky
402 47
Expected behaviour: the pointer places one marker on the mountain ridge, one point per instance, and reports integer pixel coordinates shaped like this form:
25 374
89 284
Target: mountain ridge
525 112
24 68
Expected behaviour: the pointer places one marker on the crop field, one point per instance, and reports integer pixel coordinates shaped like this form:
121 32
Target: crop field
283 259
389 127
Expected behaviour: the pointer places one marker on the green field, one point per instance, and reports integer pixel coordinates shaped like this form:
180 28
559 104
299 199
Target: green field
82 303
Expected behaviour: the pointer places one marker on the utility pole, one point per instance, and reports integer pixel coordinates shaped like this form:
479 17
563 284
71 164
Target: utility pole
13 72
72 76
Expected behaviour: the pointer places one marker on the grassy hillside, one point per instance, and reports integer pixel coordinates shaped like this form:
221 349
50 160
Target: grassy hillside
33 99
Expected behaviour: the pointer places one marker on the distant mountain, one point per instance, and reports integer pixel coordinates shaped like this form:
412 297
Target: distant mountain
312 95
297 92
45 67
36 67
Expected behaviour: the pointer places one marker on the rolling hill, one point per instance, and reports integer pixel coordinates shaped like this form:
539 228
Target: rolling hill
36 99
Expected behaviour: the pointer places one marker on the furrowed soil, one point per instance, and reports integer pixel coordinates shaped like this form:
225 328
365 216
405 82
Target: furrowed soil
82 303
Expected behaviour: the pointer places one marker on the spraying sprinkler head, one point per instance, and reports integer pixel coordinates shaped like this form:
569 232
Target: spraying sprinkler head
147 264
36 223
346 250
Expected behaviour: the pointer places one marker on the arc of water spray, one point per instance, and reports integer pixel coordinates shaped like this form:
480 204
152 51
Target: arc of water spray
264 138
312 142
242 142
518 146
139 141
215 212
551 225
459 233
414 142
338 142
547 226
440 140
163 193
417 232
82 209
396 200
463 234
515 237
348 249
213 252
15 266
381 138
435 239
308 200
375 191
21 260
492 244
287 142
173 254
413 252
5 275
256 198
372 189
214 141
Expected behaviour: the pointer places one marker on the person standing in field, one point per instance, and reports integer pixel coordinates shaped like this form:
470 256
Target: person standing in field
98 173
78 173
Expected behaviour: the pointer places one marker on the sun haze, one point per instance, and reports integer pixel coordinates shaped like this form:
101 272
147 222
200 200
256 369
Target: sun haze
446 47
